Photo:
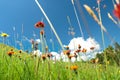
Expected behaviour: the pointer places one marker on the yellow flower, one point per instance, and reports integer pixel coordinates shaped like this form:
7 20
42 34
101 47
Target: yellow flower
74 67
4 35
20 51
11 49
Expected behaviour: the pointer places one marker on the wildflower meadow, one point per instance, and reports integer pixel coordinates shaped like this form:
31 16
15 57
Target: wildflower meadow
81 59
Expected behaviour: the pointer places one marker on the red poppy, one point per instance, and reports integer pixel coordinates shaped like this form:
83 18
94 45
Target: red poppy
116 11
39 25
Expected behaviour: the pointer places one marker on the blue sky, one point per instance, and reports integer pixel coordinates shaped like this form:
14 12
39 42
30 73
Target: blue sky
17 12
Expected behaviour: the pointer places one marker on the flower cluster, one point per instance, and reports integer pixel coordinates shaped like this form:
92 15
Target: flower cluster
11 52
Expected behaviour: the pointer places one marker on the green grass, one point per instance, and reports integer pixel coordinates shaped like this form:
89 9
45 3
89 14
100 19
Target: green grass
21 66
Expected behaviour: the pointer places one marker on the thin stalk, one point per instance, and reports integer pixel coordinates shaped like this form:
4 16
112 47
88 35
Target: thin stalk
78 19
14 37
42 44
22 38
100 19
51 25
51 40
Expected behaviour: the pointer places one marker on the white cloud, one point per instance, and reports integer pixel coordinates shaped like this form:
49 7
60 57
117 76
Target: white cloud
90 42
73 45
87 44
56 56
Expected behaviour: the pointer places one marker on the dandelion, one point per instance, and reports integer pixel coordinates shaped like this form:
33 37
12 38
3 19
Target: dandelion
116 11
